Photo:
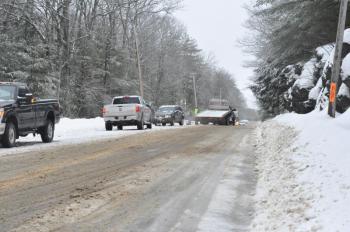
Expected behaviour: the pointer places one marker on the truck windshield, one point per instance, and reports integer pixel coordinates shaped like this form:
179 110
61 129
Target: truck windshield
7 93
126 100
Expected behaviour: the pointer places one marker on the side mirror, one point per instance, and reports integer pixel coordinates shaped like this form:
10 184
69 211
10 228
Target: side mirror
26 99
30 98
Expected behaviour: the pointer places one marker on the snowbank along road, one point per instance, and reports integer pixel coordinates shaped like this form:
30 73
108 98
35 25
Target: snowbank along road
194 179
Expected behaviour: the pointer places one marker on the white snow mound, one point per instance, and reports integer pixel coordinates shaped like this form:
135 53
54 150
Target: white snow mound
304 181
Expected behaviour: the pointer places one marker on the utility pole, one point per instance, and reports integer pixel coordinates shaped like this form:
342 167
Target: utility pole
138 61
195 92
337 58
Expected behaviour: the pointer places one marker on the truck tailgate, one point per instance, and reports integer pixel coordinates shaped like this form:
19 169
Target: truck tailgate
120 110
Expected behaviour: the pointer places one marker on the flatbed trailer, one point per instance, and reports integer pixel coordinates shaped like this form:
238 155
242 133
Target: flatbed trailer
214 116
219 113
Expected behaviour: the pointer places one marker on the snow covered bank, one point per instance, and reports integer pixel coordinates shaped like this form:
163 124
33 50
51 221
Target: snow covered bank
73 131
304 174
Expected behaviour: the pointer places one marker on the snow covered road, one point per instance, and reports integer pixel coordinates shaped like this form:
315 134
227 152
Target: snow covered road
192 179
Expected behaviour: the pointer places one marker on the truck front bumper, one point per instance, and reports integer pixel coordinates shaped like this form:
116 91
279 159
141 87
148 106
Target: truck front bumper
162 120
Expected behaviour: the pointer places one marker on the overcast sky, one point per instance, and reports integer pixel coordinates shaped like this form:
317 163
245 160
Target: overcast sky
217 25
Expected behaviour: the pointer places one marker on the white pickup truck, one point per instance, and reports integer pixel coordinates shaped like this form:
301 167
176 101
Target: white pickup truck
127 111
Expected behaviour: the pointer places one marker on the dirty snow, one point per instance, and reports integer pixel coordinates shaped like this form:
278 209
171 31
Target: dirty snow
75 131
231 207
218 215
304 175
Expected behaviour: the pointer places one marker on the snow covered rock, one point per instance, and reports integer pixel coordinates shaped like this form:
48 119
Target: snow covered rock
347 36
315 91
346 71
316 76
306 79
300 94
325 78
343 100
286 80
301 89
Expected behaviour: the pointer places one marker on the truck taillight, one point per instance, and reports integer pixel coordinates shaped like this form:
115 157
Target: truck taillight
104 110
138 109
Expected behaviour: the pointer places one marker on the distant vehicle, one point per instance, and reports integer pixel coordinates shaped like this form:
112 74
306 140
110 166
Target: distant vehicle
219 113
127 111
169 115
22 114
243 122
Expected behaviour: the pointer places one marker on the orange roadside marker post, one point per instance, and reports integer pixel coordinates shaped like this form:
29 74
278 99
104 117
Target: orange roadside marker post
333 93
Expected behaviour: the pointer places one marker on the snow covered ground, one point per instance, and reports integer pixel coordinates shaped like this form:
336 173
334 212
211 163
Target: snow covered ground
73 131
304 174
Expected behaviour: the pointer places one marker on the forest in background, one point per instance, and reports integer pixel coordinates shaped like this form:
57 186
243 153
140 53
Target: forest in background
84 52
293 42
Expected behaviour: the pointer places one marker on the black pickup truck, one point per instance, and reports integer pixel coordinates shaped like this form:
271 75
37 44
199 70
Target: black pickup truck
22 114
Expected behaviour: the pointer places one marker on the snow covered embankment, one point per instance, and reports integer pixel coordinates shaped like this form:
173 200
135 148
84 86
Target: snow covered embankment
304 174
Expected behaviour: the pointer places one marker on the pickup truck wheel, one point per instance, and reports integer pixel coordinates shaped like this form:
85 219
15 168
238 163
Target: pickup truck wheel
163 124
149 126
108 126
47 132
10 135
120 127
141 125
